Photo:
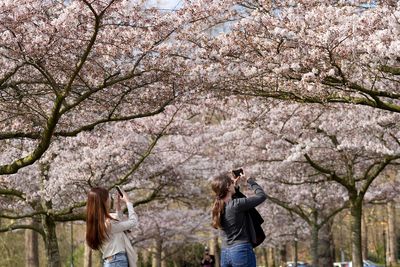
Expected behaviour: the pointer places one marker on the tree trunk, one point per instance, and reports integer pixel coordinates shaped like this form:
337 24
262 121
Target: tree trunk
157 254
265 256
282 255
31 248
50 242
356 218
364 237
87 261
271 257
314 244
296 253
392 237
163 260
325 244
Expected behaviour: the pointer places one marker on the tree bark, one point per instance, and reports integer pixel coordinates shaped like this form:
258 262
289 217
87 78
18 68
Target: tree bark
156 262
272 257
325 245
364 231
31 248
392 236
356 218
163 260
87 261
314 244
50 242
296 253
265 256
282 255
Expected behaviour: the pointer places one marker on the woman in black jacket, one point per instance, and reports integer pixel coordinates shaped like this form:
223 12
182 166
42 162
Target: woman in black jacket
231 216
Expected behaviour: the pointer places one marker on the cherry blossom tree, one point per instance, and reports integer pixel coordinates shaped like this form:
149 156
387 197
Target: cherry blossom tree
315 52
82 82
70 66
53 194
71 71
166 230
55 187
306 51
305 145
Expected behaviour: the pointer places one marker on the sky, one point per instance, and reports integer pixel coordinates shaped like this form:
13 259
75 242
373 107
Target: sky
166 4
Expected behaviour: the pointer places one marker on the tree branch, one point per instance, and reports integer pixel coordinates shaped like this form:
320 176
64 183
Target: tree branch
43 145
12 192
375 170
331 174
22 226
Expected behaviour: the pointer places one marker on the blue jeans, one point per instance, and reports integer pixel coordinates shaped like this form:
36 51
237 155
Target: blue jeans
118 260
240 255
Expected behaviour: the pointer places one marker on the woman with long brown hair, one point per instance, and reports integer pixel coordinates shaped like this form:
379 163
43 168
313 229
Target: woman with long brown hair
105 232
230 215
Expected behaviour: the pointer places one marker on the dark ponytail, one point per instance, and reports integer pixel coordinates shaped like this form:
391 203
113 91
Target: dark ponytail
220 186
216 213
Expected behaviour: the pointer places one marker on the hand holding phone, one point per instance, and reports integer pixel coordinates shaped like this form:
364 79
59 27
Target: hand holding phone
119 191
238 172
123 196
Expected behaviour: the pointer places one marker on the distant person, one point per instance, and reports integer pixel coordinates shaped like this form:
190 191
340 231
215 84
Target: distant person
231 217
106 233
208 259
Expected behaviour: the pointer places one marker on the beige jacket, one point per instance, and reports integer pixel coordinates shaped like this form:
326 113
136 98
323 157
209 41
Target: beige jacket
117 240
131 252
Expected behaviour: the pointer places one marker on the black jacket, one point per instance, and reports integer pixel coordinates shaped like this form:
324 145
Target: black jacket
237 217
254 220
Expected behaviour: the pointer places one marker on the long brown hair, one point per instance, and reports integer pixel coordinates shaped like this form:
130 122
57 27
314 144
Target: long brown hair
96 214
220 186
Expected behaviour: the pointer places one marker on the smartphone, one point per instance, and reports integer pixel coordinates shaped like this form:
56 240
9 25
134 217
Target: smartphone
119 191
238 172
